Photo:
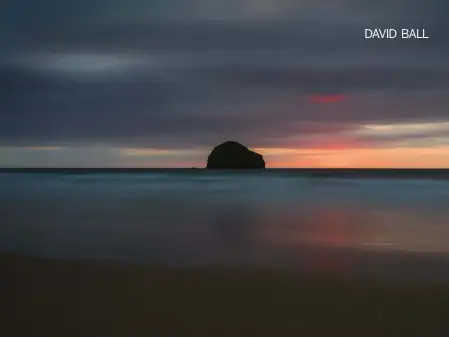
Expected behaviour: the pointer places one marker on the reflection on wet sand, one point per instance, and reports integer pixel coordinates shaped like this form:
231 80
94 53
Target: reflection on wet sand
357 227
338 239
338 236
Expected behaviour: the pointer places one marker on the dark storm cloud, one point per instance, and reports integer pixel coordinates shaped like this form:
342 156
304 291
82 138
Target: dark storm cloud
187 73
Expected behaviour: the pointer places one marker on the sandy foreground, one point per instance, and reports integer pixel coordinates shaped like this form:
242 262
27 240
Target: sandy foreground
41 297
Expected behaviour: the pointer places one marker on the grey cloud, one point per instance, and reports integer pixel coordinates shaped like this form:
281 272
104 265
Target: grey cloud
168 24
57 110
243 75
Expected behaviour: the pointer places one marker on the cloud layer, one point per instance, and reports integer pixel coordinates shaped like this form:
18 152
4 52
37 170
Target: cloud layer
187 74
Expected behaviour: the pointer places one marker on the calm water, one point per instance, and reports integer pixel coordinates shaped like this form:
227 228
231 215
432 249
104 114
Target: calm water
384 225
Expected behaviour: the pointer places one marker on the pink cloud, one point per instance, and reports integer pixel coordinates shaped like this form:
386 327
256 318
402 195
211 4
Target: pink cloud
328 99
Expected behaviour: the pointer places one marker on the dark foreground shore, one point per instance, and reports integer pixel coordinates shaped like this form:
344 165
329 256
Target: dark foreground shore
42 297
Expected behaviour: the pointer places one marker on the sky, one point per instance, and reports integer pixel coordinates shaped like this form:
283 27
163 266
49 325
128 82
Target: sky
159 83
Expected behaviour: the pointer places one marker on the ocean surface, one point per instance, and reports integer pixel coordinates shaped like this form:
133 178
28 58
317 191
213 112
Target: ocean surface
382 223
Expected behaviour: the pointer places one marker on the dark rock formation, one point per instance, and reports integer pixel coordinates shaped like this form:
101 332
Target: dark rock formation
233 155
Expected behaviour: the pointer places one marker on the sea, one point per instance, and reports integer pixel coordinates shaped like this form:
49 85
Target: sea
376 223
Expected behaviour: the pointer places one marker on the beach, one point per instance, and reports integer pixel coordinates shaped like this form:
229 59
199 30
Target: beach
48 297
197 253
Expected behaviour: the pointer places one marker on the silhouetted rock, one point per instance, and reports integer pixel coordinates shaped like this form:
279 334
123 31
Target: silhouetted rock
233 155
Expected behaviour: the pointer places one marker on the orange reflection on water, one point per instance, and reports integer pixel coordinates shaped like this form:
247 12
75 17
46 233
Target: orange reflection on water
321 225
311 231
337 227
358 227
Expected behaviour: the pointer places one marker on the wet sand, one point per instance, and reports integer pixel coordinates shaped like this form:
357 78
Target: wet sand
43 297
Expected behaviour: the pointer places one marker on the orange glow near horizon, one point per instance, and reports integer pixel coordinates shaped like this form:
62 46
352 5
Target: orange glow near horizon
338 154
437 157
